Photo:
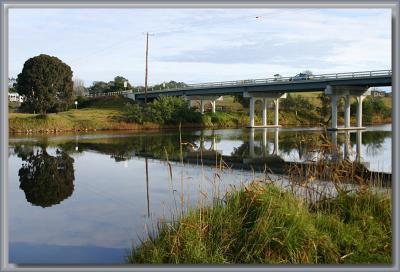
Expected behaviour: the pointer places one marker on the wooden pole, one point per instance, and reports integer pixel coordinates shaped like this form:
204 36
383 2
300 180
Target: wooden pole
145 80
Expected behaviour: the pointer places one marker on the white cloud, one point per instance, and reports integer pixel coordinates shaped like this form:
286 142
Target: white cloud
205 44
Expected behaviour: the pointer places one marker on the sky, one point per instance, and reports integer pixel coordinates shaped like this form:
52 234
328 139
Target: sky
202 45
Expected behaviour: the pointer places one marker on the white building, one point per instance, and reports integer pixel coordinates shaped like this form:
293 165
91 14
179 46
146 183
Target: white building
15 97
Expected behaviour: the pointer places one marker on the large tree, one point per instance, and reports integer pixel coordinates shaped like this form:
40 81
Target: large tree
118 84
99 87
46 83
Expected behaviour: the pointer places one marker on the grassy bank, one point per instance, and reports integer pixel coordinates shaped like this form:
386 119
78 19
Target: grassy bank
263 224
119 113
112 113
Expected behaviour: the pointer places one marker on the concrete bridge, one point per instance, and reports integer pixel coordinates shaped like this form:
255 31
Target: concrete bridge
346 85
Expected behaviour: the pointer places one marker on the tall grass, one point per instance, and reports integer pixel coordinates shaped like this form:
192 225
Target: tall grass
265 223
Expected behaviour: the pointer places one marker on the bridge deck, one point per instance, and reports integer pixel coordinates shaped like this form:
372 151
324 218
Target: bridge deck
278 85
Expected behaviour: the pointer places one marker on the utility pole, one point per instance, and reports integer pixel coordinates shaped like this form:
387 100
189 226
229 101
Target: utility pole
145 79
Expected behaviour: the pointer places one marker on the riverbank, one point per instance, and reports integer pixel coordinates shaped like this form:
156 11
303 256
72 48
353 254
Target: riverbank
263 224
117 113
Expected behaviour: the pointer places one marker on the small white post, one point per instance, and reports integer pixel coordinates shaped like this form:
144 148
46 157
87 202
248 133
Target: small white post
264 116
251 112
276 120
347 111
334 112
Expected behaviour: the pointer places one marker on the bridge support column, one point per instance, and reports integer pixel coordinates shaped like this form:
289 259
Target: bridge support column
251 108
334 112
347 112
335 92
264 97
203 99
276 117
359 110
264 113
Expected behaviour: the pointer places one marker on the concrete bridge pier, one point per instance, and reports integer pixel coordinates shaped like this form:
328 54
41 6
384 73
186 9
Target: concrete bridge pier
359 110
263 97
336 92
264 112
204 99
347 111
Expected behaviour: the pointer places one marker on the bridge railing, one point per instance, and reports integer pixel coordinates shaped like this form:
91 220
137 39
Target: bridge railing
108 93
361 74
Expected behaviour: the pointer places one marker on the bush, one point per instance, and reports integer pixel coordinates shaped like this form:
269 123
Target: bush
372 106
134 114
165 110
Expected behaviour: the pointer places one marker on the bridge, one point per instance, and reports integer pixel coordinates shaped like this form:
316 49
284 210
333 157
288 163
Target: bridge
338 85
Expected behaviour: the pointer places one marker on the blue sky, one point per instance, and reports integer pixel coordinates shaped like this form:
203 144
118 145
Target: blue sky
201 45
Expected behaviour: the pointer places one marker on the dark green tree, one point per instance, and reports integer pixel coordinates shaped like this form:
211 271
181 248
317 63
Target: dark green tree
46 83
47 180
118 84
99 87
326 108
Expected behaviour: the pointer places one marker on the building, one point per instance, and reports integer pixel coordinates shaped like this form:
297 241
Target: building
378 93
15 97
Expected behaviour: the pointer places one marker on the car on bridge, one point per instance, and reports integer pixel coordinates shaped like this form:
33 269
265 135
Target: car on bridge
277 77
301 76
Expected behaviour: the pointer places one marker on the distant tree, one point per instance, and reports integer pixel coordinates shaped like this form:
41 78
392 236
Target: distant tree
47 180
325 109
244 101
308 72
99 87
79 87
46 83
169 85
118 84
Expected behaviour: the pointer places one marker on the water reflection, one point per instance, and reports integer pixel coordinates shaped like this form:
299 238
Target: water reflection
118 175
46 180
246 146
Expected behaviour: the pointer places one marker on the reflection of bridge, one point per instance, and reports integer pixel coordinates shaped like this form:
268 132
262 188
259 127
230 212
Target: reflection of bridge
346 85
261 148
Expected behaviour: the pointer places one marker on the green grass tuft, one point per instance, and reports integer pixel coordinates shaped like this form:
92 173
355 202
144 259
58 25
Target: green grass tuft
263 224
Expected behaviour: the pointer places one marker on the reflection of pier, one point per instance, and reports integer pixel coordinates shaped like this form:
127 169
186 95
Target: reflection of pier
264 143
347 153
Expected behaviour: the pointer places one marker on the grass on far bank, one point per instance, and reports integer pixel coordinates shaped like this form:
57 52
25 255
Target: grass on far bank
263 224
109 113
119 113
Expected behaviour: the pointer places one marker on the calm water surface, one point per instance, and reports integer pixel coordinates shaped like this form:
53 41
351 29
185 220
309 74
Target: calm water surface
86 198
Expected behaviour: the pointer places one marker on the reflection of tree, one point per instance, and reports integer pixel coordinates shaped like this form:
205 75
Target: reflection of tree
373 140
23 151
47 180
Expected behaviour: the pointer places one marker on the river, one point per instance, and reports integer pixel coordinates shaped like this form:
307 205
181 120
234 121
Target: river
86 198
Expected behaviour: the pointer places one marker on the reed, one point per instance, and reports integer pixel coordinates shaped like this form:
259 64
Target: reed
325 212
